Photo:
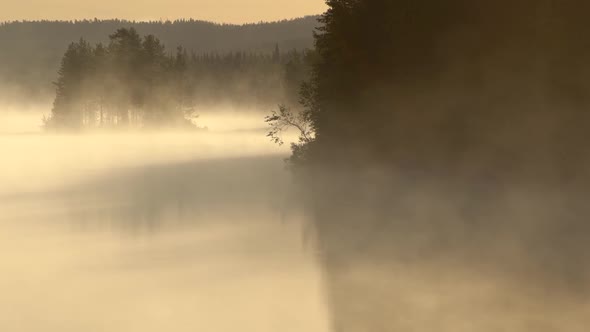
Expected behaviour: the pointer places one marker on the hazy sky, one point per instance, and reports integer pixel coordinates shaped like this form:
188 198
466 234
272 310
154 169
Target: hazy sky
230 11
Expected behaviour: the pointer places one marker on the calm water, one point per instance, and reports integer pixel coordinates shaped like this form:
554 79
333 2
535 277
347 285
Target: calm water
153 232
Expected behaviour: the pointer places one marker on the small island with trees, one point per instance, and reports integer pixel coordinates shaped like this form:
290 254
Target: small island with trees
135 82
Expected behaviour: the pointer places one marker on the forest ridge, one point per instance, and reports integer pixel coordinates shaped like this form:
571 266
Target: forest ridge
32 50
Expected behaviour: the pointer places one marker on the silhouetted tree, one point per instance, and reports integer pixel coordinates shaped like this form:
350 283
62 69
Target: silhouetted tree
69 109
276 55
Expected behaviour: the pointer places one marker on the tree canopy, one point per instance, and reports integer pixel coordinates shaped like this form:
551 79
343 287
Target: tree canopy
439 85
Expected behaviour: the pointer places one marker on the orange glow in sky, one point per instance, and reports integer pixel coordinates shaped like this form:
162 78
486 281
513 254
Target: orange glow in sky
227 11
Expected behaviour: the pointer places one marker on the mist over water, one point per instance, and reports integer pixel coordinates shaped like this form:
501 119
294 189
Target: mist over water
185 231
152 231
427 257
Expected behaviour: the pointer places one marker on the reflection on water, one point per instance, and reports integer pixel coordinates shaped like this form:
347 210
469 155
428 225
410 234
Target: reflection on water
152 232
404 254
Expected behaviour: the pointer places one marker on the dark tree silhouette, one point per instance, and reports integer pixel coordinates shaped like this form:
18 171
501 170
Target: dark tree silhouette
429 85
446 131
69 108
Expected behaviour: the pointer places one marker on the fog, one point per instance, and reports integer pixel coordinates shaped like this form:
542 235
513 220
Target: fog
206 230
404 251
153 231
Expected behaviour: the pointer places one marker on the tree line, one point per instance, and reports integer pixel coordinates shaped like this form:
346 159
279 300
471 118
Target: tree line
32 50
134 81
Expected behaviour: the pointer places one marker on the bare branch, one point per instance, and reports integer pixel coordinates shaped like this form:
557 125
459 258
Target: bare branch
284 119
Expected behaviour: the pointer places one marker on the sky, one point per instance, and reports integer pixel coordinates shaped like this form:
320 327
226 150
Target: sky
223 11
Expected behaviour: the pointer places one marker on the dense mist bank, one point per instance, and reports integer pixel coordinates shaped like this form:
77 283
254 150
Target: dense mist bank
31 51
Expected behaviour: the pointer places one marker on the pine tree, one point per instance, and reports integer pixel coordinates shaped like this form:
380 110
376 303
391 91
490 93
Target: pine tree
276 55
68 108
126 48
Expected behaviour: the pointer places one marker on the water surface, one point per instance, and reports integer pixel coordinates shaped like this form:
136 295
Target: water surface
152 232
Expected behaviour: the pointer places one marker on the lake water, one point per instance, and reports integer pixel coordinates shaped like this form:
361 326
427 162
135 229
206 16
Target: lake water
153 232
